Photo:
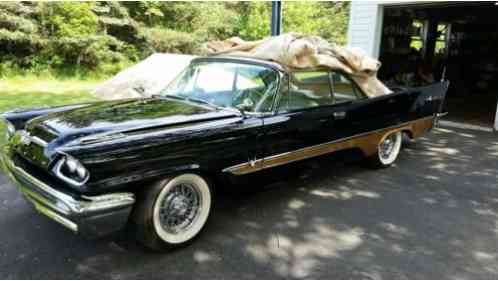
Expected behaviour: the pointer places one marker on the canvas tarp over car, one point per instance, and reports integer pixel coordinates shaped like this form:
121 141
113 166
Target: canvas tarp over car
144 79
294 50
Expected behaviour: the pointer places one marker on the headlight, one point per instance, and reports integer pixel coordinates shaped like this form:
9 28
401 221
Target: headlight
71 171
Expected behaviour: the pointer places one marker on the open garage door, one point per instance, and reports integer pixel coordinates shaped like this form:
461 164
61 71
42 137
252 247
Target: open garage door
421 43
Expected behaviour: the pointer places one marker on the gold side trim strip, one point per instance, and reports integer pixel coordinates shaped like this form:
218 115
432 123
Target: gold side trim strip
367 142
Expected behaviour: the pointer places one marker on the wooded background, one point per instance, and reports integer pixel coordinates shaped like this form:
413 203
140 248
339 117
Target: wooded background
101 38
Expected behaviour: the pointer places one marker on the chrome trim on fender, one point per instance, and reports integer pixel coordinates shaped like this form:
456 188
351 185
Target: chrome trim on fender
316 150
62 207
69 204
39 141
107 201
27 138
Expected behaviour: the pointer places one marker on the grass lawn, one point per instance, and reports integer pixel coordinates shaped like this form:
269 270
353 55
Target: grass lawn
35 92
30 92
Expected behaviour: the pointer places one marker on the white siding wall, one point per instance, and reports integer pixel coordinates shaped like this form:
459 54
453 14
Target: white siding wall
365 23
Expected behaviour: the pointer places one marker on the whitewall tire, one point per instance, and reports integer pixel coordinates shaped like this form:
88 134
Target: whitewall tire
173 211
387 150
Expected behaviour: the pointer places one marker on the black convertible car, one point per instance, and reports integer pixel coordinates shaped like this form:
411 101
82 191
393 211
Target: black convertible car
153 161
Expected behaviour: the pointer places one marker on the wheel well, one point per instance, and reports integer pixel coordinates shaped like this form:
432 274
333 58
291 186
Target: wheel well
212 178
409 133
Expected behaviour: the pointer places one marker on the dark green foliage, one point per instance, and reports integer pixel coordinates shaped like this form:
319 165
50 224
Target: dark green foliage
164 40
18 44
68 19
103 37
126 30
18 8
13 22
89 52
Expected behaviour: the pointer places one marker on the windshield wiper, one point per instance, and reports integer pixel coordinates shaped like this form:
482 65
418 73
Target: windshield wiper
196 100
217 107
172 96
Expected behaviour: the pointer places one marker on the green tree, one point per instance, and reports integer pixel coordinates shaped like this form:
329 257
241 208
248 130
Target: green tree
215 21
102 37
256 23
326 19
68 19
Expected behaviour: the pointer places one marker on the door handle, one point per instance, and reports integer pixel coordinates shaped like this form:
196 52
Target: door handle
340 114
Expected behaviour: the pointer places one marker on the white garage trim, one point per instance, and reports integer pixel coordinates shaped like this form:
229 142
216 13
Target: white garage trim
365 26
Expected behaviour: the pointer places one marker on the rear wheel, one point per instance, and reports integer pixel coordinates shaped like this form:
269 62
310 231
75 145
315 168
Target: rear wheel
387 150
173 212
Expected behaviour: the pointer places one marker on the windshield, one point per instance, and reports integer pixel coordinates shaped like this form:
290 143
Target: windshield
246 87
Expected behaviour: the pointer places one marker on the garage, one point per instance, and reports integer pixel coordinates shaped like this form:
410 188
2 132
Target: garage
421 43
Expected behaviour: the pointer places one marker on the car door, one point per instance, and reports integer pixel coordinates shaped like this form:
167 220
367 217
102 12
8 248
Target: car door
306 118
347 97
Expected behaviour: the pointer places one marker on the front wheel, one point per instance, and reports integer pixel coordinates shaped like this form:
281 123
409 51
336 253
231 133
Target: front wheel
173 211
387 150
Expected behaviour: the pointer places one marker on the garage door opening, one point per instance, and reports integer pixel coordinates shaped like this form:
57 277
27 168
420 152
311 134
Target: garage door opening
455 41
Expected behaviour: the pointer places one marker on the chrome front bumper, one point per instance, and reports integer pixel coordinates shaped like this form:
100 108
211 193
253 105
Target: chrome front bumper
90 216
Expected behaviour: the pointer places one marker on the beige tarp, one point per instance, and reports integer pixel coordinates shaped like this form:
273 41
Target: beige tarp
144 79
294 50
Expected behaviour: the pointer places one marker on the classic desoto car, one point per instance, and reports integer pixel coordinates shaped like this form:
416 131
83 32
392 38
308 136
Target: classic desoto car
153 162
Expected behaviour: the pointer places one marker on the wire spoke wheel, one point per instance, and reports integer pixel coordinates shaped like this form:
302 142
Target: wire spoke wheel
388 148
181 208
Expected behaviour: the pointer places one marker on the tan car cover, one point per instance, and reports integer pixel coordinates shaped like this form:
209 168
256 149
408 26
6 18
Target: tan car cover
298 51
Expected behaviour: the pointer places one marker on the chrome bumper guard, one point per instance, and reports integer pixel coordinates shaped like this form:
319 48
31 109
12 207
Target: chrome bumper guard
90 216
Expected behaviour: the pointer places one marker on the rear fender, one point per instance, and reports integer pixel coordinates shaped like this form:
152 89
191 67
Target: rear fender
430 100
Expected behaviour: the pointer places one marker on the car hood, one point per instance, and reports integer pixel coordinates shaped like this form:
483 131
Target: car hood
122 116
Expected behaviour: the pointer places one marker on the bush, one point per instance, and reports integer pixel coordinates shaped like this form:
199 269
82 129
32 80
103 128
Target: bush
170 41
126 30
8 69
111 9
90 37
18 7
89 53
68 19
19 44
16 23
215 22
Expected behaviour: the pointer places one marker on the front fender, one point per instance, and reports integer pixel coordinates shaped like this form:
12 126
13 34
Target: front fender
19 117
136 179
